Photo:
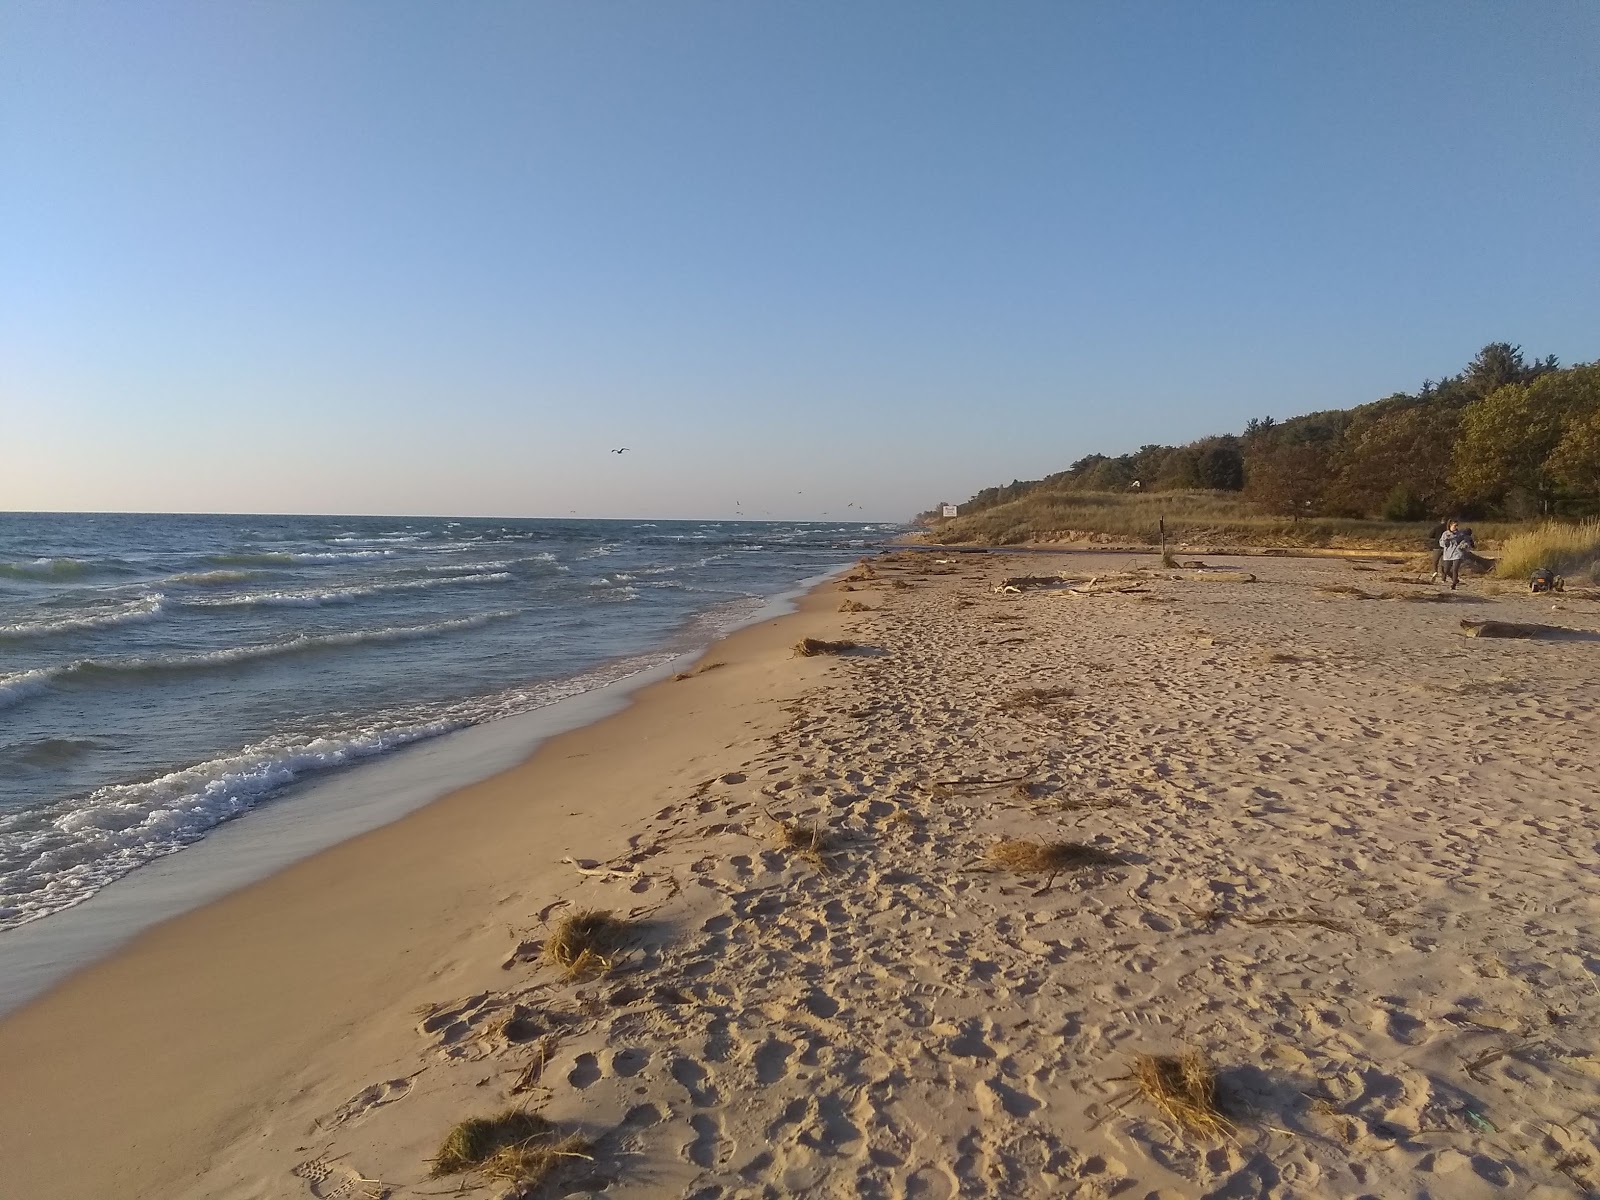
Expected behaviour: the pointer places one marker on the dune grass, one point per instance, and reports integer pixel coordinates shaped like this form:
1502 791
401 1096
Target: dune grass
515 1146
1567 549
811 842
1047 858
1192 517
1184 1089
586 943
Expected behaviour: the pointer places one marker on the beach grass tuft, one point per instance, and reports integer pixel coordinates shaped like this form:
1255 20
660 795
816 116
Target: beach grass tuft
1184 1089
1567 549
811 647
810 841
516 1146
586 943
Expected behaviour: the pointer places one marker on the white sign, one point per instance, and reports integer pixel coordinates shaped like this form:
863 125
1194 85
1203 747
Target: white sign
949 510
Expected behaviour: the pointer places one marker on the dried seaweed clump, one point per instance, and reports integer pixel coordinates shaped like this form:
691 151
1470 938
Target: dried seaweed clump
1029 698
811 647
1028 858
516 1146
1184 1089
811 842
854 606
585 943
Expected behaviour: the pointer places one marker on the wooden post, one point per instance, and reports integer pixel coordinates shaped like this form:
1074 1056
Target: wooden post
1162 524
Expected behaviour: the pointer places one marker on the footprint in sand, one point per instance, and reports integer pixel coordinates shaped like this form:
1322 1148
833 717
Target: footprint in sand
330 1180
771 1061
709 1146
692 1077
365 1101
584 1072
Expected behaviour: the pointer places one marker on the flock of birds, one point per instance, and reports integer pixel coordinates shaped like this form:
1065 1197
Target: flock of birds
738 507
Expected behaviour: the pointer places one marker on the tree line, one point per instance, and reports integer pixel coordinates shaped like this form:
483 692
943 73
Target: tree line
1505 437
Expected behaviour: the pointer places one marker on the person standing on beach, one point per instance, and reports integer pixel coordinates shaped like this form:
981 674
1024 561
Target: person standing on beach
1453 545
1435 549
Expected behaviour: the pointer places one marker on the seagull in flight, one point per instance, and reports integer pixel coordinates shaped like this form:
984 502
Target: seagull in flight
624 450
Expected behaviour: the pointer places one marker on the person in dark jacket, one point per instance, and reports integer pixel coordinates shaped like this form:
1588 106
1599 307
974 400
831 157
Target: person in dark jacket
1453 546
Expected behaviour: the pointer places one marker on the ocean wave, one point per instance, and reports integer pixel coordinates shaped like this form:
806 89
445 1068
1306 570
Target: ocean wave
343 595
48 569
47 752
211 578
54 859
19 687
283 558
59 856
143 610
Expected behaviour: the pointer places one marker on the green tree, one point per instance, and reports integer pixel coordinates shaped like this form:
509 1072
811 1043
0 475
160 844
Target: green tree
1575 462
1221 466
1496 365
1405 448
1288 480
1508 438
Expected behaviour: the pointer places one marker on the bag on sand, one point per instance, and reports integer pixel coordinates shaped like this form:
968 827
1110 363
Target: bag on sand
1544 580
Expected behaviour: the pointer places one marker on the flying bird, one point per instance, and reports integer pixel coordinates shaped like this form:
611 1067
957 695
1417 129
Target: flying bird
624 450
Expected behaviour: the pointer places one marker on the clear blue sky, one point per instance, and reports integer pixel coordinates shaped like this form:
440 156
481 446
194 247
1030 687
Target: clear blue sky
438 257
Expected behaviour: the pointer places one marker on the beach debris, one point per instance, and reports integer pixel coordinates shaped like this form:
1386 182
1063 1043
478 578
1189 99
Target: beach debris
811 842
1047 858
855 606
516 1146
586 943
1034 698
811 647
1184 1089
1511 629
1023 583
1222 576
1096 586
529 1076
700 670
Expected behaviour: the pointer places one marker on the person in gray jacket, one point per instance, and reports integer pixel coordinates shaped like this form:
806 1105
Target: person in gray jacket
1453 546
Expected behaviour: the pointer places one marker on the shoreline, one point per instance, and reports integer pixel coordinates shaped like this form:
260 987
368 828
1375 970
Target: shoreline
318 813
180 985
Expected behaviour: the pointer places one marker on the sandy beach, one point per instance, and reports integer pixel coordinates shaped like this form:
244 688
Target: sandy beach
1336 848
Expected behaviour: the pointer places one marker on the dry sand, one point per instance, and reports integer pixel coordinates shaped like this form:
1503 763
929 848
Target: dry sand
1357 871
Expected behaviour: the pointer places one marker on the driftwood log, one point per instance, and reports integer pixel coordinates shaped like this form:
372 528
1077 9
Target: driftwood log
1510 629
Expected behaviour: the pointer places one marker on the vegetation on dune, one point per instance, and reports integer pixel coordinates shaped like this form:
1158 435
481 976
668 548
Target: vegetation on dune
1506 440
1570 550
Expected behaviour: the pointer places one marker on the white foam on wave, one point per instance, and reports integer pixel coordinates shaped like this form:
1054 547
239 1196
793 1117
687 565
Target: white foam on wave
148 609
316 598
59 856
19 685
